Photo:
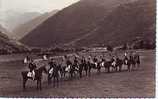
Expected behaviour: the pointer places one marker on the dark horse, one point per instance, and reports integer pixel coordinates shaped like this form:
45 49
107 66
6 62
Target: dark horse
74 70
81 67
129 63
110 64
119 64
93 66
55 74
107 65
38 77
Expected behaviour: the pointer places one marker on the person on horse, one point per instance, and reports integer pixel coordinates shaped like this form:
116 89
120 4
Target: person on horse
63 62
125 58
32 66
76 63
27 59
113 61
137 59
131 58
51 66
82 66
95 60
68 64
103 61
45 57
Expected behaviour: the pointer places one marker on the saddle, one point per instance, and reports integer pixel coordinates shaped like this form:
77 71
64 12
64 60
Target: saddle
113 63
95 64
25 61
51 71
76 68
126 62
67 68
31 74
102 64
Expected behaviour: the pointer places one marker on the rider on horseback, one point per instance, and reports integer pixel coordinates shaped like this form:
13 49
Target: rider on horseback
125 58
113 60
68 63
51 64
27 59
95 60
137 59
76 63
32 67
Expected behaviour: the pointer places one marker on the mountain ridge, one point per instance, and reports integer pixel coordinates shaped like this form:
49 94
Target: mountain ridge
75 24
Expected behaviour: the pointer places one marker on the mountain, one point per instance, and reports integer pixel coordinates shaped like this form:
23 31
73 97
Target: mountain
6 32
3 31
21 30
8 45
11 19
124 24
89 22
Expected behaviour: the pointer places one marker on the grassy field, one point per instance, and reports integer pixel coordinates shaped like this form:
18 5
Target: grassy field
138 83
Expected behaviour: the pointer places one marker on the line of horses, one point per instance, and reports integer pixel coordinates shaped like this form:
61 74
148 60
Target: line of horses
58 72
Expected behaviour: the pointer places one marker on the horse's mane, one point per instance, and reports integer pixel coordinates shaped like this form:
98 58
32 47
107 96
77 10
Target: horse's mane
40 68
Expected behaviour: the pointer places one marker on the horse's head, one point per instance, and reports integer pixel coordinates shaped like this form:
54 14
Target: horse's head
43 69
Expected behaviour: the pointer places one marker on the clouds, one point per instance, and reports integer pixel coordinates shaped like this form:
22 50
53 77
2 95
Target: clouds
35 5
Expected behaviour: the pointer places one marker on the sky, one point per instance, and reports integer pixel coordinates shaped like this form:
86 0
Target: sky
34 5
10 9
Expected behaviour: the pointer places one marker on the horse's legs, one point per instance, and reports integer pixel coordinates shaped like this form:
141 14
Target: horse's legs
40 84
61 76
37 84
49 79
54 81
71 74
86 72
108 69
80 73
57 81
99 70
133 66
24 83
120 68
138 65
115 68
105 68
89 72
129 67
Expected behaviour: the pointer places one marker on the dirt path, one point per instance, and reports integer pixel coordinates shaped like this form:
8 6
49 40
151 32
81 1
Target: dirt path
139 83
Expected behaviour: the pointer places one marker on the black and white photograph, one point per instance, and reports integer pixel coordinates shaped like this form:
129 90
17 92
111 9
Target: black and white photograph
77 48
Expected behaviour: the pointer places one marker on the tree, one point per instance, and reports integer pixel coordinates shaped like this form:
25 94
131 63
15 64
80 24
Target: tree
124 47
109 48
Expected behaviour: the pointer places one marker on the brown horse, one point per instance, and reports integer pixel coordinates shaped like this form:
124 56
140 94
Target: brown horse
38 77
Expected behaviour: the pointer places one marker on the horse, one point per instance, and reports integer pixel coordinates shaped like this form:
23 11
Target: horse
93 66
99 65
65 70
74 70
38 77
128 63
81 66
54 72
85 67
114 64
70 69
107 65
137 61
119 64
